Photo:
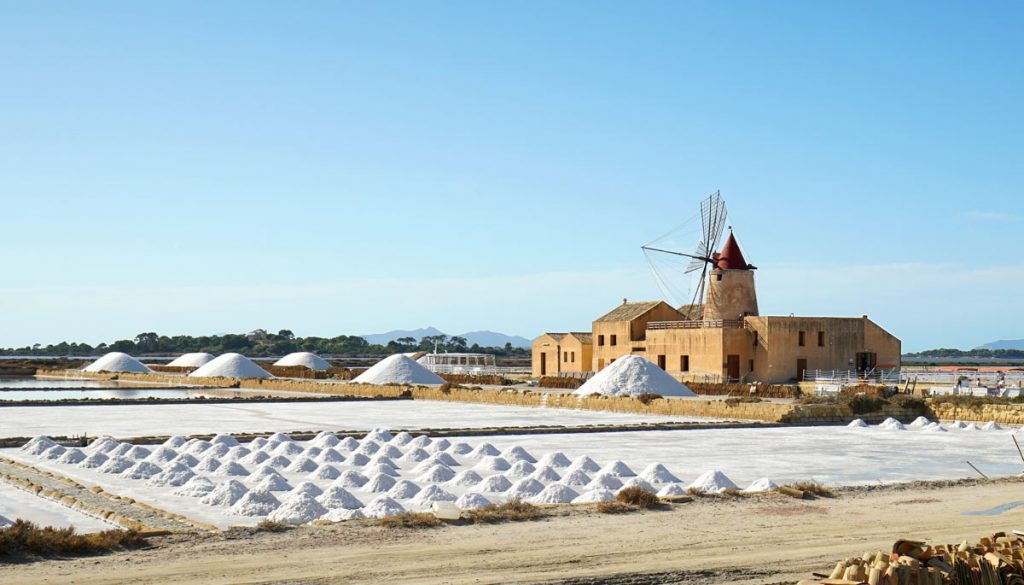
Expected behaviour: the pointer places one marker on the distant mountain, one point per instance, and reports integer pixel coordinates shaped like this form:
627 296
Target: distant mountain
1004 344
481 338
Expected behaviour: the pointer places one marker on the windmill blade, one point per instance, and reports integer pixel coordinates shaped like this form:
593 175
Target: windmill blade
713 215
699 260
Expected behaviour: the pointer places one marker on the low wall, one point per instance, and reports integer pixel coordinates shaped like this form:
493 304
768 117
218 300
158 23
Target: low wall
1010 414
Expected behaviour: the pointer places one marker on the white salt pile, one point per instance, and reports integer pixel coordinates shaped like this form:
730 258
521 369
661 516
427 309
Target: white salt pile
325 471
273 484
465 478
255 503
517 453
520 469
638 482
102 445
342 514
93 461
857 424
279 461
595 495
299 509
141 470
302 464
633 375
958 425
71 457
401 439
324 440
471 501
618 469
991 426
232 469
338 497
54 452
935 428
116 465
304 359
484 450
191 360
460 448
379 483
403 490
525 488
137 452
437 473
892 424
555 459
658 473
286 449
584 463
208 465
762 485
305 487
495 484
230 365
358 459
604 481
971 427
162 455
175 442
671 490
545 474
493 464
373 468
329 456
38 444
712 482
431 494
176 475
576 477
382 506
348 444
117 361
398 369
919 422
555 493
196 487
352 479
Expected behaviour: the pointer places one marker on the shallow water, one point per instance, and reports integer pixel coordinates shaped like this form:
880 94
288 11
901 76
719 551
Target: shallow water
100 394
996 511
29 383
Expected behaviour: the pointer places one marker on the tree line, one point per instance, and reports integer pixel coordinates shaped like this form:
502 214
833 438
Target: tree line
969 353
261 343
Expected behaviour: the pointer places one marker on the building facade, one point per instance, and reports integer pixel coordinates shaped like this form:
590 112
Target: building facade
725 339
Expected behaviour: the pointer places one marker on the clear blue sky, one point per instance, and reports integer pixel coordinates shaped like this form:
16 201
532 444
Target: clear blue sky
331 167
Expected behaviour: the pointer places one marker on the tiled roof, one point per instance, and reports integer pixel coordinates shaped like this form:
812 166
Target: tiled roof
628 311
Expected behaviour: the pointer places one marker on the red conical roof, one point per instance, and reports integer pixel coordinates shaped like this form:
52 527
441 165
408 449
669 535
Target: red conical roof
730 258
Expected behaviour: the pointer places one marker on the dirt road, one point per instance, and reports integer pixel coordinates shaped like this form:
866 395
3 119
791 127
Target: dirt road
748 541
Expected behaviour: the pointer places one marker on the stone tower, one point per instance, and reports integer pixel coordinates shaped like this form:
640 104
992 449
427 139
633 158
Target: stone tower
731 292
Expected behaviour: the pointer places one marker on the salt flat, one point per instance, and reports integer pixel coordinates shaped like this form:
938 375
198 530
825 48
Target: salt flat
185 419
16 503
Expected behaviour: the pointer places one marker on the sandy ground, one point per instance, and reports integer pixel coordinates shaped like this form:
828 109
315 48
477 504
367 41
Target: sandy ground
759 540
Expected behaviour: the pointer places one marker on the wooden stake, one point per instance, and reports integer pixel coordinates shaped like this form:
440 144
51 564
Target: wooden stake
976 469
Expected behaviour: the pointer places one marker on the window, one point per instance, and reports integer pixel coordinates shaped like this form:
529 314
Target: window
600 339
614 339
821 339
718 276
661 361
573 356
801 339
751 365
684 363
600 365
565 356
755 339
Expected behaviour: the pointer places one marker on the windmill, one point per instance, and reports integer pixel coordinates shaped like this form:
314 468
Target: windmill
712 222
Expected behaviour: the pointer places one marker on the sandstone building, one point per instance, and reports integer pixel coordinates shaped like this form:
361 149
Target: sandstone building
723 339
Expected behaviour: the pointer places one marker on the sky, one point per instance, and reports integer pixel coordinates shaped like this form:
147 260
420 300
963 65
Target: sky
355 167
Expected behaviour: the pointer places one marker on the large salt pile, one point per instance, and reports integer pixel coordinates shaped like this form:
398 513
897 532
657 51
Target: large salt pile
230 365
712 482
305 359
633 375
116 361
191 360
398 369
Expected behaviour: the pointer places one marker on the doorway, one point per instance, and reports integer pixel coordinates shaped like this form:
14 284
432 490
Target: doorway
801 367
866 361
661 362
544 363
733 365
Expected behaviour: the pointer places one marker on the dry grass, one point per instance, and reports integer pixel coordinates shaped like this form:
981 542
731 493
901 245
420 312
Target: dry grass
648 398
811 487
26 538
732 492
272 526
512 511
638 497
695 492
411 520
614 507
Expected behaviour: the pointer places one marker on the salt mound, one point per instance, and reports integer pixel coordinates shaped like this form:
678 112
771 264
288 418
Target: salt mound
298 510
137 452
379 434
306 487
892 424
991 426
919 422
633 375
279 461
338 497
116 465
404 490
101 445
382 506
225 494
762 485
517 453
390 451
233 469
120 450
379 483
176 475
196 487
971 427
54 452
273 484
401 439
324 440
958 425
525 488
638 482
484 450
224 439
414 455
584 463
671 490
348 444
576 477
302 464
196 446
352 479
618 469
421 441
71 457
342 514
857 424
162 455
556 459
381 468
439 445
37 445
465 478
255 458
257 443
398 369
116 361
325 471
368 447
431 494
286 449
520 469
459 448
604 481
93 461
304 359
186 460
935 428
494 484
712 482
546 474
358 459
230 365
236 453
141 470
658 473
555 493
329 456
207 465
593 496
436 474
471 501
174 442
255 503
191 360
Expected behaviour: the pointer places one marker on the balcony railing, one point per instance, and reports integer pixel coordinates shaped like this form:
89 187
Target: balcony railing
694 324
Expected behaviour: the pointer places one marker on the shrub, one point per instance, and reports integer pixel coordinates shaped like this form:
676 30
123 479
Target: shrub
648 398
741 400
272 526
514 510
732 492
639 497
811 487
862 403
411 520
560 382
26 537
614 507
695 492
